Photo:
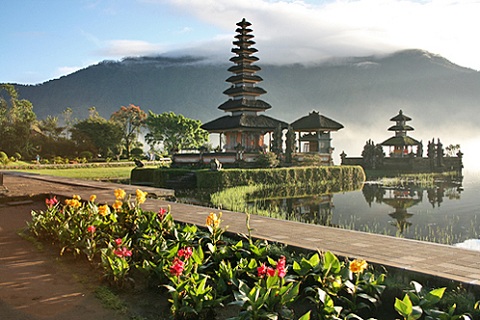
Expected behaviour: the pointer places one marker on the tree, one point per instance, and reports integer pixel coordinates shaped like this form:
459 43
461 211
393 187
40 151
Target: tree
372 155
49 126
16 121
131 119
175 132
452 150
98 135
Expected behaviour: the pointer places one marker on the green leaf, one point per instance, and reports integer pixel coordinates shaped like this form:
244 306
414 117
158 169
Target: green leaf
211 247
198 255
418 287
331 263
252 264
292 293
314 260
403 307
306 316
296 267
435 295
272 281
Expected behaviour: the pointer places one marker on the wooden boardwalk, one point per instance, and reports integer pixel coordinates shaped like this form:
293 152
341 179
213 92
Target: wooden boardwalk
428 259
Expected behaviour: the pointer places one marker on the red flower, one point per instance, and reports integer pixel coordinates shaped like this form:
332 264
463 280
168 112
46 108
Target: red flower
270 272
91 229
122 252
118 241
282 271
262 270
161 213
186 253
177 267
51 202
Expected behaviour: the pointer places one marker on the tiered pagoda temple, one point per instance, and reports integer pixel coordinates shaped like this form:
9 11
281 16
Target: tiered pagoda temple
244 129
401 145
405 154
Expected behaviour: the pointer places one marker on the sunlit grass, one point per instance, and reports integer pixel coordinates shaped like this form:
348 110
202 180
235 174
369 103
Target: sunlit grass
90 173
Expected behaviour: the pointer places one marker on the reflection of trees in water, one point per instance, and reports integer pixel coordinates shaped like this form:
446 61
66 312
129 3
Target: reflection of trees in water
373 193
402 198
307 203
314 209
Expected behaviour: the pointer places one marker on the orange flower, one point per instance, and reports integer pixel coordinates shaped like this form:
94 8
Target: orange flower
358 266
103 210
117 205
76 197
74 203
141 196
119 194
213 221
93 198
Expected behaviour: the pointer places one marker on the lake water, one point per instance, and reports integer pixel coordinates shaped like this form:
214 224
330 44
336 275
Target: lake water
448 213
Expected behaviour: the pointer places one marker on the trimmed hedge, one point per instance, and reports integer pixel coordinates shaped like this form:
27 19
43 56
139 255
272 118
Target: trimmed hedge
157 177
290 176
344 176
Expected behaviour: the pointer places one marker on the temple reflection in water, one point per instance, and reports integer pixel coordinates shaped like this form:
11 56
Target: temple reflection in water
402 198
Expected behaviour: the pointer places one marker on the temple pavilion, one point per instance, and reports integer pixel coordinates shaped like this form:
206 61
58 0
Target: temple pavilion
314 135
401 145
244 128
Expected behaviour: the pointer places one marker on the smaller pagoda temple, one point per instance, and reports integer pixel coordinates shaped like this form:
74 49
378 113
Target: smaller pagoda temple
401 145
314 135
405 154
244 129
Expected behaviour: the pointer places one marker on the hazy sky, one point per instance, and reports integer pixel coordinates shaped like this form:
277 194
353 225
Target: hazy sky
45 39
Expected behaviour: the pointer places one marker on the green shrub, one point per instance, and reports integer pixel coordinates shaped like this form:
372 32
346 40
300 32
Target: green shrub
267 160
86 155
4 158
346 175
136 152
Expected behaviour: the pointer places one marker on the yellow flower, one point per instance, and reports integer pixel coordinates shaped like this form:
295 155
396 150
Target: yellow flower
103 210
117 205
213 221
93 198
358 266
76 197
74 203
141 196
119 194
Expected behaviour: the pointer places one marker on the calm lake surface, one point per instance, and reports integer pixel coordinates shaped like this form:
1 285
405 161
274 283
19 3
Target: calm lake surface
448 213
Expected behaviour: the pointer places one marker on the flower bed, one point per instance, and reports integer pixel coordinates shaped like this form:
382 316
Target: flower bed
203 269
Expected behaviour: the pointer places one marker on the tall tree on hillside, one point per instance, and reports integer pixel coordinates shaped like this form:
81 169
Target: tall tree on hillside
131 119
16 120
50 127
98 135
175 132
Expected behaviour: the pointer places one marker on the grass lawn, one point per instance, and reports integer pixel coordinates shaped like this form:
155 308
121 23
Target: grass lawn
97 173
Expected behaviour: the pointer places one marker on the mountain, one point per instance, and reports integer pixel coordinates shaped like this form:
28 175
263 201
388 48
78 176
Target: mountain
362 93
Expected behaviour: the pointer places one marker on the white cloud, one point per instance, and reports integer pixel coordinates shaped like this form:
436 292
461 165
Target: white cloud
129 48
302 31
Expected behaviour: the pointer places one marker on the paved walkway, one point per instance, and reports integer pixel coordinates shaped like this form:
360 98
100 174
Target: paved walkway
429 259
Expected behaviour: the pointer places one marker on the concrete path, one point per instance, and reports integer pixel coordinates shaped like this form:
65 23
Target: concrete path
431 260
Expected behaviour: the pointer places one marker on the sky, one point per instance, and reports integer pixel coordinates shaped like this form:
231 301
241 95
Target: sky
43 40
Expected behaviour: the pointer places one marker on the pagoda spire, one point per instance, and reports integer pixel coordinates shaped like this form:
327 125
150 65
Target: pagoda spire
244 91
401 127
